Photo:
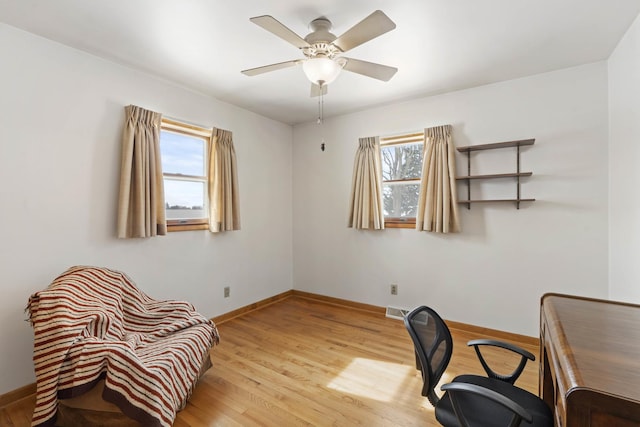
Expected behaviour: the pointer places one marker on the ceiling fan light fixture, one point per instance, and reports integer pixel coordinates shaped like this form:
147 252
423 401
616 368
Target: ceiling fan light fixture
322 71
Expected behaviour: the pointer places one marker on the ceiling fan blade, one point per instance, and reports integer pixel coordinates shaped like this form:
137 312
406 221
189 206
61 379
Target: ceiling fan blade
274 26
317 90
369 28
370 69
272 67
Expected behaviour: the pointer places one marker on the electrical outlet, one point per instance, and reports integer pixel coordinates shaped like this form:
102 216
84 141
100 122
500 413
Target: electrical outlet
394 289
227 291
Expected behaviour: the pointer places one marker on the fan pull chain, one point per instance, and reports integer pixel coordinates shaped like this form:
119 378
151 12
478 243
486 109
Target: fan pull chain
321 113
321 106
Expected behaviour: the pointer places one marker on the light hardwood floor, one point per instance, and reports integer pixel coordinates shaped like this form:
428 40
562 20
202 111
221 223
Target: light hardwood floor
301 362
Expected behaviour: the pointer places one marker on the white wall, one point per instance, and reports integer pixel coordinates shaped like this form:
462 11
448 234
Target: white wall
494 272
624 170
61 117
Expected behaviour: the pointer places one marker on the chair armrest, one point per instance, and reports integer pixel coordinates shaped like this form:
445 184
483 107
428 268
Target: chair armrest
519 413
505 345
512 377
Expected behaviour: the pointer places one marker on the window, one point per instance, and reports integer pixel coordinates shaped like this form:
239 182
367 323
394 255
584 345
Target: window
184 149
401 157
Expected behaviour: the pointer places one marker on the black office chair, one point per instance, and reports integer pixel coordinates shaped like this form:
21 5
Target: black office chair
471 400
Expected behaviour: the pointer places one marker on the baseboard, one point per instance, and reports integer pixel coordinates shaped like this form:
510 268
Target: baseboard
17 394
494 333
341 302
251 307
300 294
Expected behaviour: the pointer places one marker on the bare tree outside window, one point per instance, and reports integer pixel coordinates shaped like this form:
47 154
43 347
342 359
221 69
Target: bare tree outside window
401 170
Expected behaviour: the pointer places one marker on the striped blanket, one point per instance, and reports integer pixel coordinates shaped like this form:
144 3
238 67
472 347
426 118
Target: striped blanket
94 323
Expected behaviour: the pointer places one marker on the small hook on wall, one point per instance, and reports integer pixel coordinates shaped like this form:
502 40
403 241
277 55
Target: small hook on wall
322 146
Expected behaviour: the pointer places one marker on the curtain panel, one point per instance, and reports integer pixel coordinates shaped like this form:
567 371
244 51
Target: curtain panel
438 202
366 209
224 208
141 210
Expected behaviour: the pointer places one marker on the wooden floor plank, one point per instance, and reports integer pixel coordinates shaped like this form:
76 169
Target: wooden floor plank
301 362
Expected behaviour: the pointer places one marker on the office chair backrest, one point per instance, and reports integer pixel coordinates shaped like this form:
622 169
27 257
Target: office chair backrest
433 345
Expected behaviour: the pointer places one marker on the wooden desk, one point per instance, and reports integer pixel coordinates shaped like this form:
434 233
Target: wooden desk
590 361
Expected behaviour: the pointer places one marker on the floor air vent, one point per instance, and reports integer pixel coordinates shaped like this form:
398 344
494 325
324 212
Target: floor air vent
396 313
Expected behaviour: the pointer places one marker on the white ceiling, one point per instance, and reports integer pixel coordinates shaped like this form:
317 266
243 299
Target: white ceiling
438 45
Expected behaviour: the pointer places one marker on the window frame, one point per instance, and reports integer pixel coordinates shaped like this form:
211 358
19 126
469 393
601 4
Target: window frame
401 139
187 129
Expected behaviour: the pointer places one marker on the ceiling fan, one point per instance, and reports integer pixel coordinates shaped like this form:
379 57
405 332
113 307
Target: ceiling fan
322 49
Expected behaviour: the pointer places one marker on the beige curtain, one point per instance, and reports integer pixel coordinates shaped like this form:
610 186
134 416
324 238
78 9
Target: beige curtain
224 209
438 206
141 206
365 211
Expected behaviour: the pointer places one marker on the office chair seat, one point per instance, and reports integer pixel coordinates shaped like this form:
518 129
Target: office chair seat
479 411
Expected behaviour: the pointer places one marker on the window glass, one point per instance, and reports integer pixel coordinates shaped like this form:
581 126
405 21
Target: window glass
182 154
400 199
183 149
401 161
401 158
184 199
